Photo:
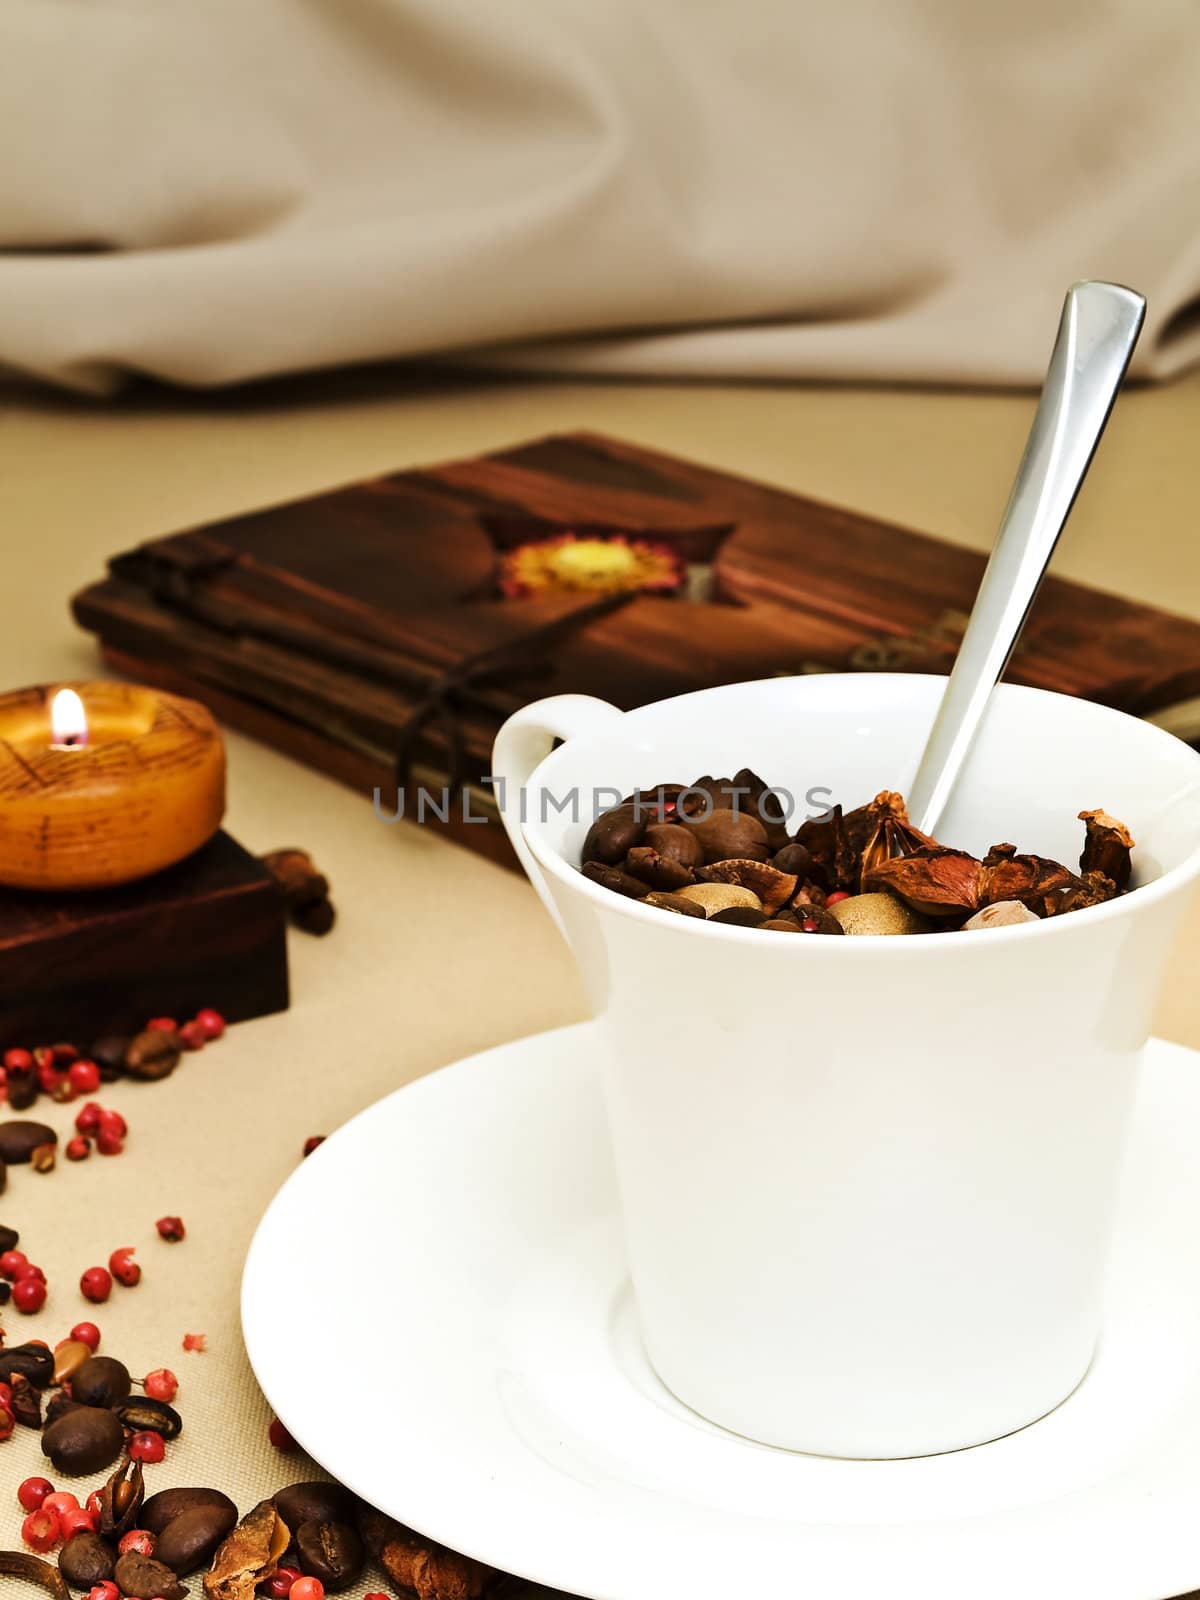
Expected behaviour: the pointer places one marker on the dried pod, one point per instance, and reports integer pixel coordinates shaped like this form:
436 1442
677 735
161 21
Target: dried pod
711 897
660 872
143 1415
101 1381
143 1578
613 835
20 1564
85 1439
772 887
162 1508
248 1555
32 1361
19 1140
121 1500
25 1402
729 835
153 1055
86 1560
1000 914
834 860
613 878
939 883
1029 879
1107 849
69 1357
413 1562
889 833
673 902
189 1540
676 843
999 853
331 1552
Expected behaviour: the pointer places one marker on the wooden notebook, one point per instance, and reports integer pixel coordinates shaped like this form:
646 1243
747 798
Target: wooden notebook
374 631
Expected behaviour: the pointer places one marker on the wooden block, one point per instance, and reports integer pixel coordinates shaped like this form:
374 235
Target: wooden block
210 931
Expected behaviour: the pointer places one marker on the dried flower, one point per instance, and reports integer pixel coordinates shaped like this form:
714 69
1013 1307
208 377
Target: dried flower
888 832
938 882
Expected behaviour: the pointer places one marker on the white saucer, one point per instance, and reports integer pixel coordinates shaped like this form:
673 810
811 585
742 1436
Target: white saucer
502 1403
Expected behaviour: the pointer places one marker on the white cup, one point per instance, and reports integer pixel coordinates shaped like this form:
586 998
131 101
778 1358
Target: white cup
867 1183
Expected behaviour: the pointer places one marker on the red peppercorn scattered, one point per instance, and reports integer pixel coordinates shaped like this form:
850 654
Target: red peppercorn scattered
60 1500
17 1061
78 1148
96 1285
106 1590
161 1384
85 1076
93 1503
87 1333
376 1595
11 1263
146 1447
162 1025
108 1144
113 1123
838 894
29 1295
139 1539
171 1229
280 1437
40 1530
192 1036
307 1589
78 1521
7 1423
311 1143
210 1022
195 1341
280 1585
123 1267
87 1119
33 1491
5 1399
29 1270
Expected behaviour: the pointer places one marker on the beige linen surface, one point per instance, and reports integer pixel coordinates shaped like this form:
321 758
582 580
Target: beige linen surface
413 977
211 190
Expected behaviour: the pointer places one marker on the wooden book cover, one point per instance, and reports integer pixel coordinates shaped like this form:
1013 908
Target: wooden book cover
382 632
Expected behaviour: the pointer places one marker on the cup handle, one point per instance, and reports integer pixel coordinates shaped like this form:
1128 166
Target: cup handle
522 744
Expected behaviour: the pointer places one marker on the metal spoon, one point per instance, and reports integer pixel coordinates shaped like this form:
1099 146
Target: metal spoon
1099 328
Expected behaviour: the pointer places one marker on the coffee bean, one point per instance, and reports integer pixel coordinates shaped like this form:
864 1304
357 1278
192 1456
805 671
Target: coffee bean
781 925
22 1087
331 1552
162 1508
19 1139
739 917
674 842
153 1055
794 858
143 1578
32 1361
3 1177
612 836
143 1415
109 1055
59 1406
613 878
660 872
674 902
316 1501
728 835
189 1540
9 1239
86 1560
86 1439
101 1381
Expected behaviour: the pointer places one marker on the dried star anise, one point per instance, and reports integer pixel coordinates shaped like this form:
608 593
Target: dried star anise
934 880
1107 848
834 858
888 832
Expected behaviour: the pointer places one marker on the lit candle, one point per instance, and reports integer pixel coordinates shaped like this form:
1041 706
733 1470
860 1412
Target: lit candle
102 783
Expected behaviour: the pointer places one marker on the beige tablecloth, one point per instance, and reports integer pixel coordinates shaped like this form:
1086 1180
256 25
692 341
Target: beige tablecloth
410 979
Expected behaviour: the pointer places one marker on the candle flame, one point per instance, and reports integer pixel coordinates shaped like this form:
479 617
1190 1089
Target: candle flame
68 720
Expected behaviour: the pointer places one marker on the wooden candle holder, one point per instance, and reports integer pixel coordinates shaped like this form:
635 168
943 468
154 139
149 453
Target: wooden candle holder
210 931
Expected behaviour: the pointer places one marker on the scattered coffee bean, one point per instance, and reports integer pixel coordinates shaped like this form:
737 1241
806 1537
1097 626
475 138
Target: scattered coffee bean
189 1539
740 917
793 858
59 1405
85 1439
19 1140
729 834
9 1239
613 878
315 1501
152 1055
109 1055
21 1087
613 835
675 902
101 1381
32 1361
660 872
161 1509
145 1578
143 1415
676 843
86 1560
331 1552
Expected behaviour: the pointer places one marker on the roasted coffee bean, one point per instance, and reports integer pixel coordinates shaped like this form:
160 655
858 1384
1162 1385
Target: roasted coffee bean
32 1361
22 1087
726 835
781 925
674 902
674 842
331 1552
5 1291
660 872
109 1055
613 835
153 1055
189 1540
143 1578
86 1560
613 878
26 1402
101 1381
19 1139
815 919
316 1501
143 1415
59 1405
9 1239
740 917
162 1508
3 1177
794 858
85 1439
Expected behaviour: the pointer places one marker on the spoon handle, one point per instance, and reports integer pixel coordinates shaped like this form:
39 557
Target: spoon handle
1099 328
